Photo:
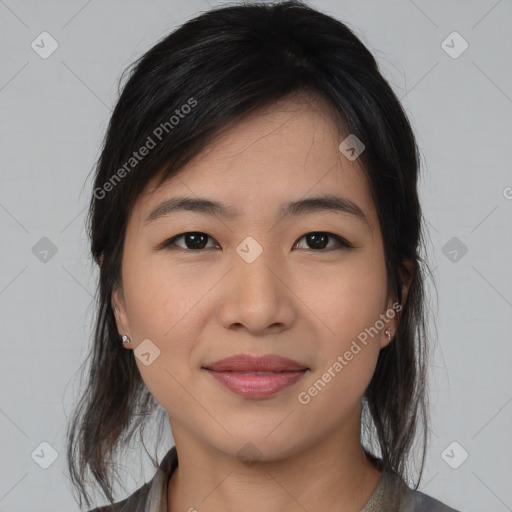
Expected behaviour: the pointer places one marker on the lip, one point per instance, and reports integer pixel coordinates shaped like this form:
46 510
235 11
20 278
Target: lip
248 363
238 374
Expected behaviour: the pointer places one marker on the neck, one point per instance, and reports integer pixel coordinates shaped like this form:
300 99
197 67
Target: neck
332 474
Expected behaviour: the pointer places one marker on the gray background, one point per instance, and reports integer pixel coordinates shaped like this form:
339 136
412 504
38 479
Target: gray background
54 114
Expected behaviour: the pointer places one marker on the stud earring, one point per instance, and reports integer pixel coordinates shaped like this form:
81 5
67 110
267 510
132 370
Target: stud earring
126 339
388 333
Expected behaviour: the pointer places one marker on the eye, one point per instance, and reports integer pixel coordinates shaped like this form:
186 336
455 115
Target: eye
196 240
318 240
193 240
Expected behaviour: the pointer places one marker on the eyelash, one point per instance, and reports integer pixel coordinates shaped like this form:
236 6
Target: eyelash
167 244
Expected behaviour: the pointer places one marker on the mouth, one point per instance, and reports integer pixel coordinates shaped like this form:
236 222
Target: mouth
245 363
256 377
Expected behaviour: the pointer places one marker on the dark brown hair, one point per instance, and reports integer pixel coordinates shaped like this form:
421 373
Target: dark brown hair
221 66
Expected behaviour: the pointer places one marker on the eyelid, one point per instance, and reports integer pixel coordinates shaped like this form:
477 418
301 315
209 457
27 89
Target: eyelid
343 242
169 241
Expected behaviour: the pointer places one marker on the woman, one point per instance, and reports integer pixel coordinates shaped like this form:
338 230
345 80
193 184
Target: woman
256 222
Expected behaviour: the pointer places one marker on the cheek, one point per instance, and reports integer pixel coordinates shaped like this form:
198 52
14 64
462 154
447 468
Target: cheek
161 297
351 299
166 306
349 303
350 347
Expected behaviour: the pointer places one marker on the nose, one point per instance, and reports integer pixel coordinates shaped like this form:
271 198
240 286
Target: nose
257 297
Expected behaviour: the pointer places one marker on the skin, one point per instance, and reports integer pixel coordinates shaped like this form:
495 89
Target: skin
201 305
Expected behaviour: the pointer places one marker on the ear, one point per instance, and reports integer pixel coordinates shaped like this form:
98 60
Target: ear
407 271
120 314
390 322
393 307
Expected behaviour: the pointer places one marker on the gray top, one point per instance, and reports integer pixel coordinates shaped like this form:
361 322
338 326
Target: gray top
390 495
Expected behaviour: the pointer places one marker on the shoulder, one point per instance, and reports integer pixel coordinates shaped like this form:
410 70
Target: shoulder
152 494
396 495
133 503
416 501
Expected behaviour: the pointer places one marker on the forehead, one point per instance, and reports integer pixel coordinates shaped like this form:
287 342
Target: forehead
284 152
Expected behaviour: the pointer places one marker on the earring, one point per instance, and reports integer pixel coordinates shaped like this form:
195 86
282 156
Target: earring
388 333
126 339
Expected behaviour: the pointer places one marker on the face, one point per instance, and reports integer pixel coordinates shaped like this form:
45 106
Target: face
307 283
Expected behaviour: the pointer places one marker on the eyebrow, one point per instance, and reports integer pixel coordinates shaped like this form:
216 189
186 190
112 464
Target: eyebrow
323 203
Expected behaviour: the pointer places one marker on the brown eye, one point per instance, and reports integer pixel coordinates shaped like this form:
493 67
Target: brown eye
193 241
319 240
196 241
